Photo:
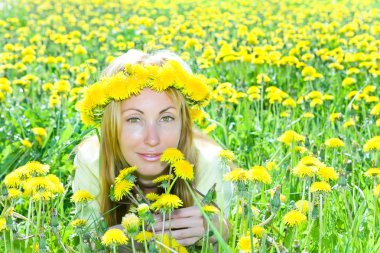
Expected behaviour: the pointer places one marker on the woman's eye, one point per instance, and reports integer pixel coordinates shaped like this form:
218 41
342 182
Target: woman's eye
133 120
167 118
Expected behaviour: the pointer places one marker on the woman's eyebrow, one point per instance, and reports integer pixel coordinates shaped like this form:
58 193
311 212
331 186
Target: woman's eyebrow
132 109
162 111
170 107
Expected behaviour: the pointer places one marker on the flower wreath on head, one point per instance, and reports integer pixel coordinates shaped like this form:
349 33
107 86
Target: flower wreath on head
134 78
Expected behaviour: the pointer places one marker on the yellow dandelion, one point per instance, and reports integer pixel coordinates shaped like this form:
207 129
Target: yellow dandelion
122 189
349 123
79 223
257 231
238 174
125 173
210 209
327 173
162 178
315 102
131 223
152 196
308 115
378 122
310 160
26 143
244 244
36 184
371 172
196 88
259 174
300 149
171 155
372 144
167 202
113 237
334 143
320 187
348 81
3 224
303 206
302 170
227 154
35 167
376 110
294 218
143 236
262 78
42 196
183 169
289 136
334 116
376 190
272 165
13 179
39 131
13 193
82 196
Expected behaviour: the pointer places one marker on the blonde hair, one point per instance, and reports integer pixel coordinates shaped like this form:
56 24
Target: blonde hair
111 158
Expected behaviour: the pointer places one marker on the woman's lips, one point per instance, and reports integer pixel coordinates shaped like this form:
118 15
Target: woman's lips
150 157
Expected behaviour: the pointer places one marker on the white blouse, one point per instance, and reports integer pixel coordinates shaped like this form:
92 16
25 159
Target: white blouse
209 171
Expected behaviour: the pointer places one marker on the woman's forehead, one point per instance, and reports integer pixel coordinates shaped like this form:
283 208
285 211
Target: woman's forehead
149 100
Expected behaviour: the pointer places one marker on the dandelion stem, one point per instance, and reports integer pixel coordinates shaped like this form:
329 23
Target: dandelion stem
133 245
143 228
347 206
5 242
28 223
320 223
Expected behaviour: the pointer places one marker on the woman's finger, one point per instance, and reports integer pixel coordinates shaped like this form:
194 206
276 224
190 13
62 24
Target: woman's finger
188 241
192 211
179 223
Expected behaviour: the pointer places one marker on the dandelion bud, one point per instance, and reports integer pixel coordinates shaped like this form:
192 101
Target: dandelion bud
131 223
4 191
54 220
342 179
307 142
314 213
142 209
322 152
348 166
296 246
276 202
42 244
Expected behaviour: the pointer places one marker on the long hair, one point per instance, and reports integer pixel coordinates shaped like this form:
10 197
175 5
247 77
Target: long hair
111 158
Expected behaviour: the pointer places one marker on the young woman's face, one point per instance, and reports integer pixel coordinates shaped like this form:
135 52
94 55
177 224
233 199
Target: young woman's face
151 123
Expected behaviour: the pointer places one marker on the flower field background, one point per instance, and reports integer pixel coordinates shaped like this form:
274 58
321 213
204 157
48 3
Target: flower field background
295 98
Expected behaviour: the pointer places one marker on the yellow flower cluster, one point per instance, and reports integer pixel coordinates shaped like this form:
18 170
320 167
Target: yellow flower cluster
33 179
182 168
135 78
255 174
310 166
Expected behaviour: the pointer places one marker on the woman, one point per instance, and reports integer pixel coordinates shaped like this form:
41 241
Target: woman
142 107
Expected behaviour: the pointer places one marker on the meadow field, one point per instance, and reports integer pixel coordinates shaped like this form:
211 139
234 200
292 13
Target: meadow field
295 105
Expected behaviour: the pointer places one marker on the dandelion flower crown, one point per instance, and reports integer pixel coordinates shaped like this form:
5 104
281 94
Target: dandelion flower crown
134 78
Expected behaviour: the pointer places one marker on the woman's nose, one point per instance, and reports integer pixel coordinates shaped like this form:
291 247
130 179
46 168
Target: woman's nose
152 137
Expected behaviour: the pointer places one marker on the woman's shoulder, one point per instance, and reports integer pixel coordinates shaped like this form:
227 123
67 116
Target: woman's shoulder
88 150
208 153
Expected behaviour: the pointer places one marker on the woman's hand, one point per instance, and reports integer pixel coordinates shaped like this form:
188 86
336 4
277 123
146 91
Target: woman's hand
187 225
